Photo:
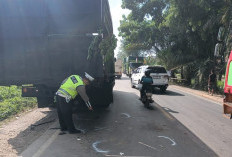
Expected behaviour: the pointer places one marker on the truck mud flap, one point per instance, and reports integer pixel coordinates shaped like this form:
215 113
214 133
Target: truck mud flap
227 109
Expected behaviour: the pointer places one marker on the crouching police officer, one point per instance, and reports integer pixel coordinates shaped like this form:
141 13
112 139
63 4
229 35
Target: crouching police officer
69 89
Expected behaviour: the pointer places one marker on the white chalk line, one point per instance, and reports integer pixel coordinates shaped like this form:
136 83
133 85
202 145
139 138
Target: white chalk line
173 142
148 146
94 145
97 129
126 114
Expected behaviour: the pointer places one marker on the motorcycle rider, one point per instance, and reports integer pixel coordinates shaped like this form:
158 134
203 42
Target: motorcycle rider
146 82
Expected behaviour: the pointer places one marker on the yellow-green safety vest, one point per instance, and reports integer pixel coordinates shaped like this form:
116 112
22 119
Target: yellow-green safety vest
69 85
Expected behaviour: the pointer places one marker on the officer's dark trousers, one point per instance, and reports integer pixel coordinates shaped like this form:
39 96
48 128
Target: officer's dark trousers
64 111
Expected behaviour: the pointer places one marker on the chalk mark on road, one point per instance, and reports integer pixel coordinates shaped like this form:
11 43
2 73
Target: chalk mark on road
148 146
126 114
173 142
98 128
94 145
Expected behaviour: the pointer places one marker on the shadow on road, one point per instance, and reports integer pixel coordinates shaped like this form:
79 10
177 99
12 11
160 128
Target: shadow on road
89 121
124 78
168 92
169 110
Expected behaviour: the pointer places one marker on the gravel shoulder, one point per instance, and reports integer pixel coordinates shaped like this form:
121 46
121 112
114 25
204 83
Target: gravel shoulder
18 133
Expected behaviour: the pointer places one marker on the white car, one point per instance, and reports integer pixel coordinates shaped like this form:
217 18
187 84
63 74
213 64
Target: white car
158 73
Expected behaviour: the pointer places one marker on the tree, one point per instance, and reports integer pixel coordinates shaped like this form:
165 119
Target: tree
182 33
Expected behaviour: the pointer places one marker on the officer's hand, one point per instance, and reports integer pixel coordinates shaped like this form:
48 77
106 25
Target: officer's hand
89 106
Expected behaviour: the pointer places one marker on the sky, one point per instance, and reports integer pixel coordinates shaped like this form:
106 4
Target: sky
116 14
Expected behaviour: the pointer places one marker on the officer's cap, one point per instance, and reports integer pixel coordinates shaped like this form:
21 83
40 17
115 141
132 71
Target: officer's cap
90 78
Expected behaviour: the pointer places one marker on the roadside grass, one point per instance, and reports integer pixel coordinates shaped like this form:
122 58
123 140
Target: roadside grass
11 102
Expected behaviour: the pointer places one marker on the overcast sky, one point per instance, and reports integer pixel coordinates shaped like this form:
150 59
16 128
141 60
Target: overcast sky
116 13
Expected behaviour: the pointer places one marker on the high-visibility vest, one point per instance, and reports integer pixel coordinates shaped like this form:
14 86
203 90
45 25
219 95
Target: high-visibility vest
69 85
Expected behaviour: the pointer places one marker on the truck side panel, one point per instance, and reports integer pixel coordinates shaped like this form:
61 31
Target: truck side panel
43 41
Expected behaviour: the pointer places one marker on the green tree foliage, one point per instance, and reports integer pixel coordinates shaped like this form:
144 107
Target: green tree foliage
12 103
105 47
182 33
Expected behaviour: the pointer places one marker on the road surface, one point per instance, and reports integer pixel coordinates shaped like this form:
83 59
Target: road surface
126 128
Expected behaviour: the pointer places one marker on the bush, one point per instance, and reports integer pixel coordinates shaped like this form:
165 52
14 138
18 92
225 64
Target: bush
220 86
12 103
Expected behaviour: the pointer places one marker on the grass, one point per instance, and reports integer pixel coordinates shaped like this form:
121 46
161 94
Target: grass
11 102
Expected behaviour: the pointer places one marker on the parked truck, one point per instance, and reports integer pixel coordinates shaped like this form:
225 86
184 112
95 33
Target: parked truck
42 42
118 68
227 101
223 55
131 63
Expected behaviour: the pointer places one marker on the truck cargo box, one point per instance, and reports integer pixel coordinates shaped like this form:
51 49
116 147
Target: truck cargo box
44 41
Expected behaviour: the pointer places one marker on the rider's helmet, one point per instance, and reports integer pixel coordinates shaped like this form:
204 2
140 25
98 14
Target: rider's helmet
147 72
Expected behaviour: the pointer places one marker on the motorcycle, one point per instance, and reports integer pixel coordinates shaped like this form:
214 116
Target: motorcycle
147 98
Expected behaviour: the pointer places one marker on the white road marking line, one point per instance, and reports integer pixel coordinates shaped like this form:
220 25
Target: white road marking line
126 114
148 146
94 145
173 142
46 144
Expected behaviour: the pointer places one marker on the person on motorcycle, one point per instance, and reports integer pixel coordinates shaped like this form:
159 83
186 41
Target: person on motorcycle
146 82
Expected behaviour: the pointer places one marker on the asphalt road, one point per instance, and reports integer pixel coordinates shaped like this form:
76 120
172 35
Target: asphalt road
126 128
203 117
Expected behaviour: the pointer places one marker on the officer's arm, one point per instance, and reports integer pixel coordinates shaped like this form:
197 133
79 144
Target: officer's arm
81 90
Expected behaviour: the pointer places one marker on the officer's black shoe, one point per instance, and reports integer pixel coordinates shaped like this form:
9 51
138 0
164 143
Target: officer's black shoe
74 131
